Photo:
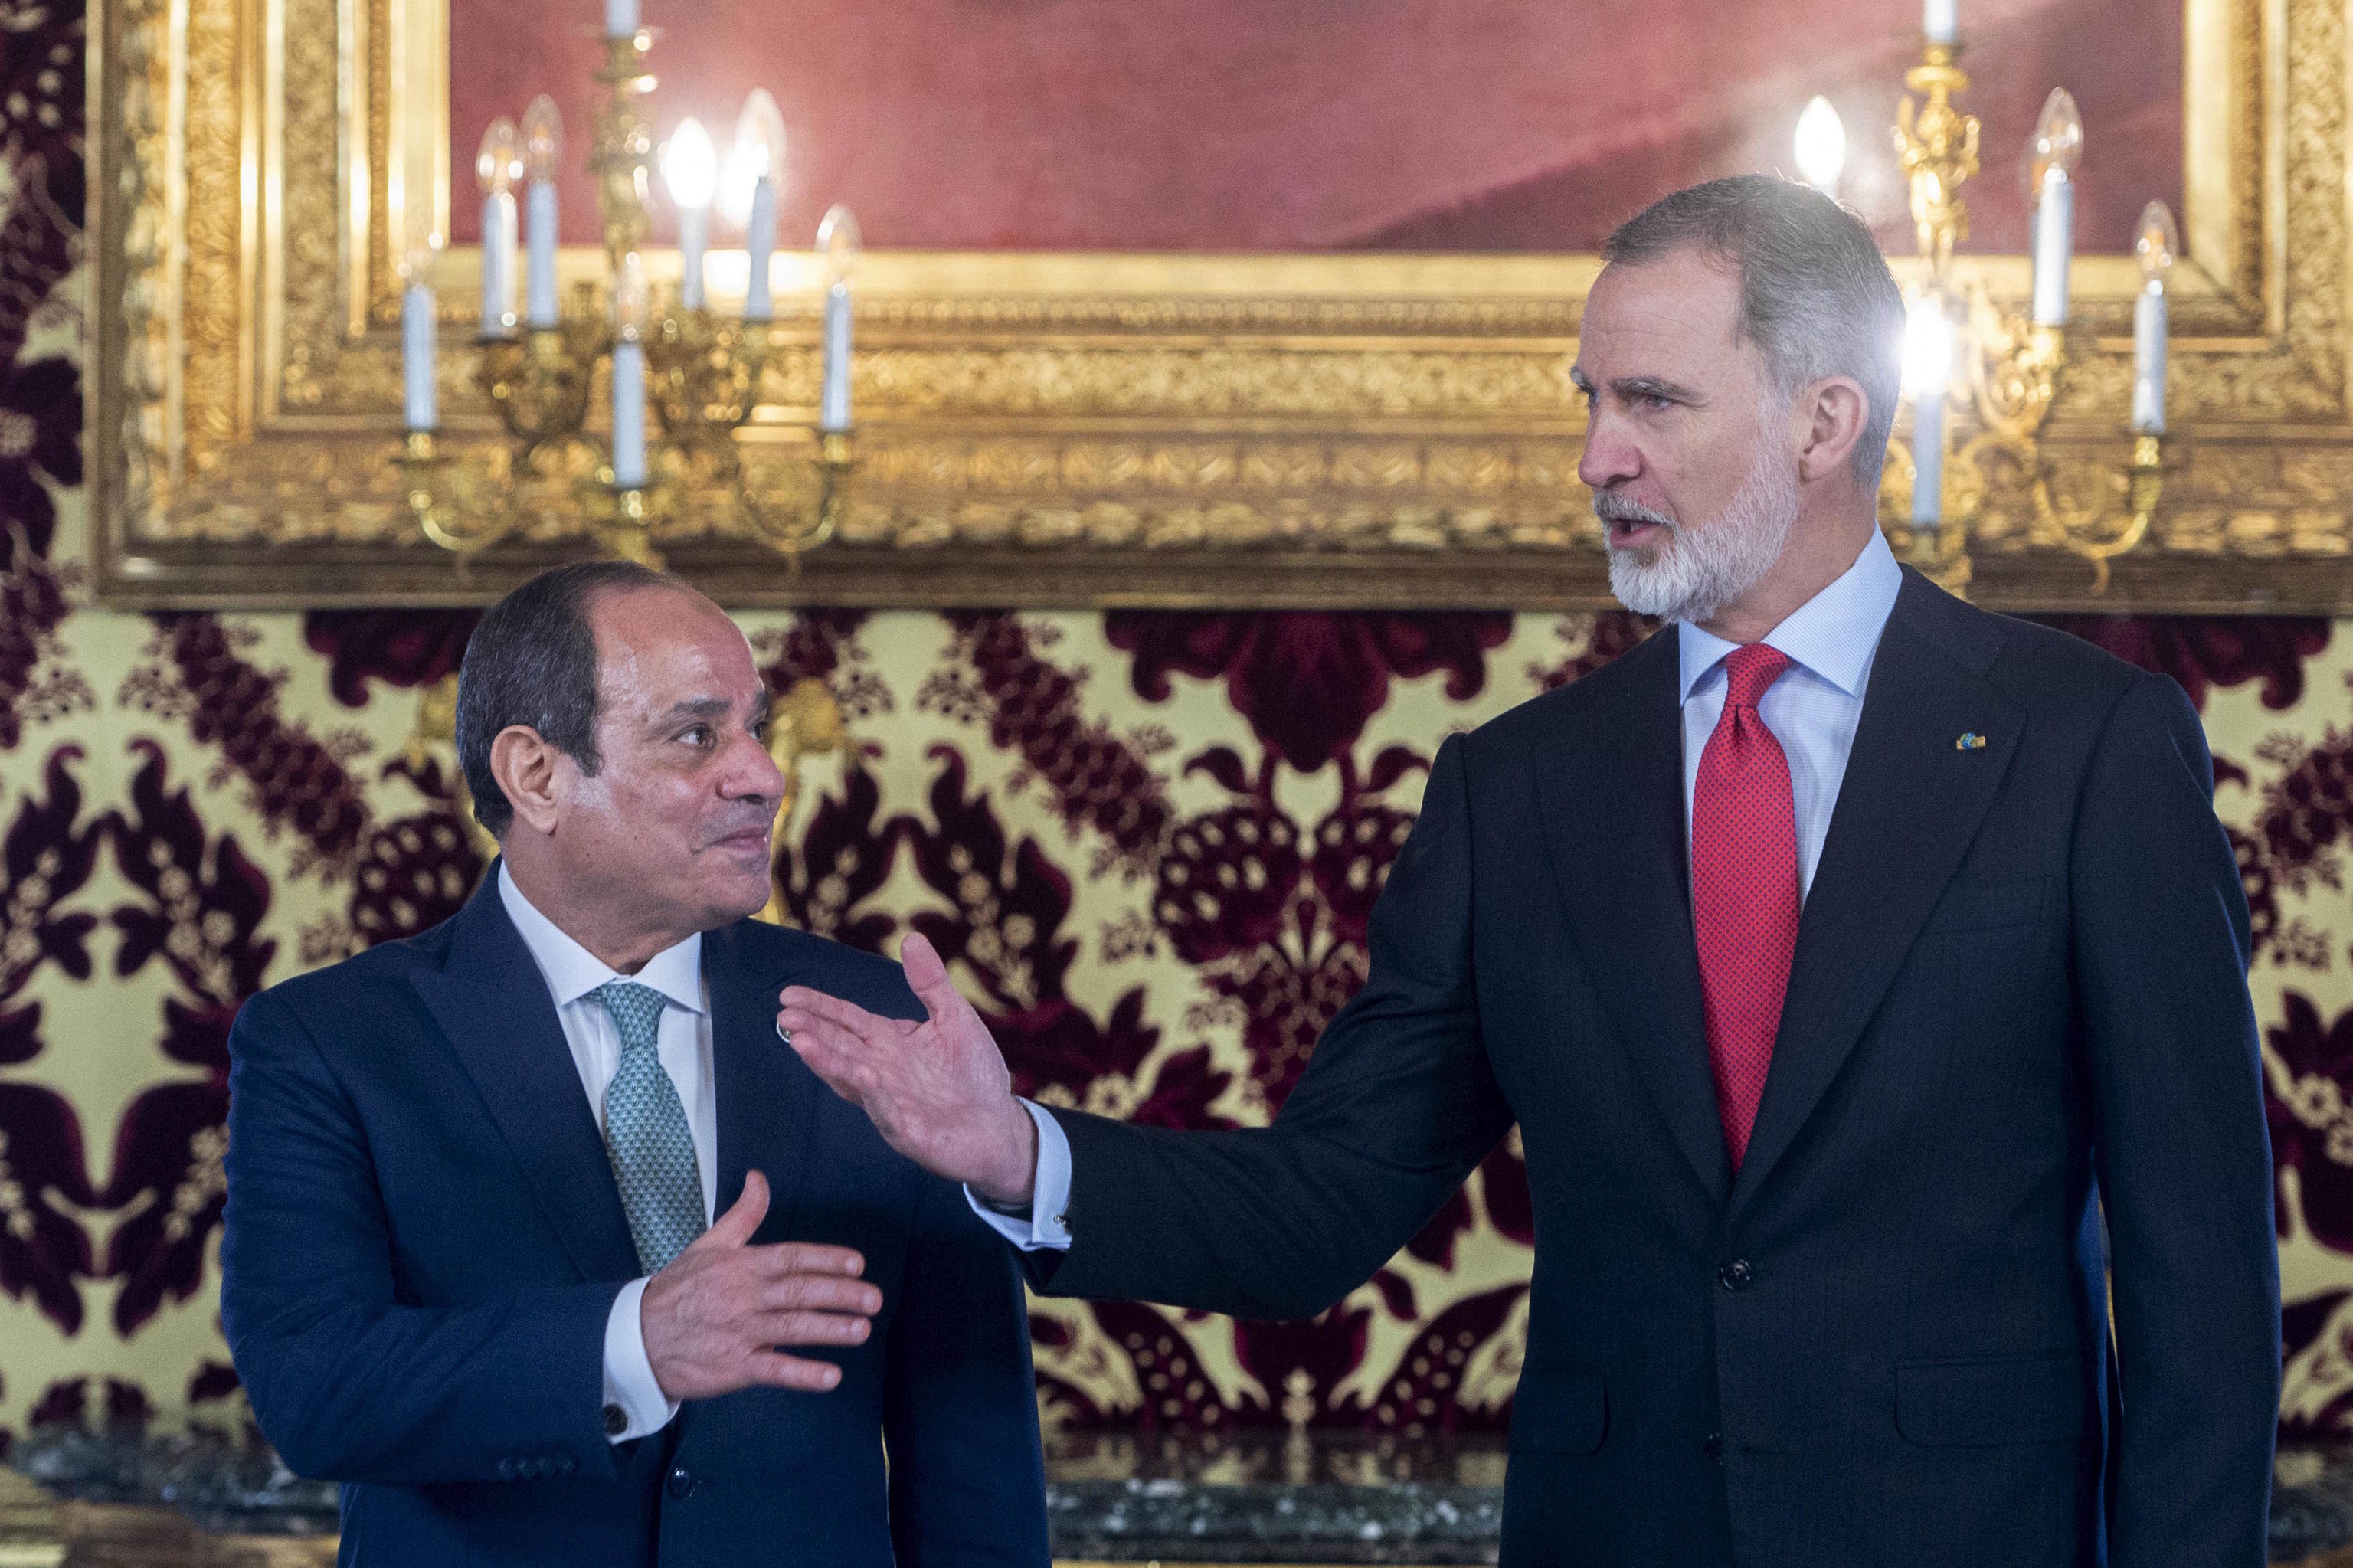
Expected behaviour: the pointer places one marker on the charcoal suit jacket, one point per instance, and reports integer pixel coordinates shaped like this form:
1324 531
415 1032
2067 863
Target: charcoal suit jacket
2017 1003
424 1240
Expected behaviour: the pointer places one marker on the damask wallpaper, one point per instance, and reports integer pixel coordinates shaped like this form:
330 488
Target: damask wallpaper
1150 841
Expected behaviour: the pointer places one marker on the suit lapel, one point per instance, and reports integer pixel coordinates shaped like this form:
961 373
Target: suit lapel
492 1004
767 1099
1611 789
1908 810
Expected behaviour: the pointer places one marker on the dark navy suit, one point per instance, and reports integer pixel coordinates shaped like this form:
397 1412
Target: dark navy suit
2018 1007
424 1241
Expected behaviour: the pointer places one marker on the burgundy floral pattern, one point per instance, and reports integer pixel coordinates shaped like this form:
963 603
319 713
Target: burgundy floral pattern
401 648
41 445
196 671
2207 651
1307 683
46 858
198 911
1157 921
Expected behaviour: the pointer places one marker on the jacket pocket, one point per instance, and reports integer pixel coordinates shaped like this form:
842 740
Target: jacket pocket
1559 1410
2016 1399
1989 906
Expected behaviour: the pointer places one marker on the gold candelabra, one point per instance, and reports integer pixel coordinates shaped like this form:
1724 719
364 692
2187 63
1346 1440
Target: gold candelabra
2004 371
698 374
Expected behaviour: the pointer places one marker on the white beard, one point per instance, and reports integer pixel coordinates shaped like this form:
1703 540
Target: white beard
1695 572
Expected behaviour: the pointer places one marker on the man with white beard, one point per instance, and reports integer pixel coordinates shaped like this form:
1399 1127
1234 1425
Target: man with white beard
1846 955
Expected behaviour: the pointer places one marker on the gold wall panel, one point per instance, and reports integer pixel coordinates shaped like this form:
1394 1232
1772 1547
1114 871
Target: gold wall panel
1066 430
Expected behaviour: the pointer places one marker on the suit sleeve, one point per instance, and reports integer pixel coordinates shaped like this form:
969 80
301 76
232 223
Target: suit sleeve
960 1409
2160 942
1397 1107
347 1384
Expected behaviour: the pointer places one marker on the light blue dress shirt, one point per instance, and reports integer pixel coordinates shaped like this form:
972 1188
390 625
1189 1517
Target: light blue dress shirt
1813 710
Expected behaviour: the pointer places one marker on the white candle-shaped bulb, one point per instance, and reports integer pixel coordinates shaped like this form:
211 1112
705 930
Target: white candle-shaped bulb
621 19
1927 368
752 185
1821 145
2159 241
418 331
1941 21
2056 151
630 313
543 158
690 166
497 166
836 246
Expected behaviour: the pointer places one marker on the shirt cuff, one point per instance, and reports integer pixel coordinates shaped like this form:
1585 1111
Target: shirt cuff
1047 1227
634 1402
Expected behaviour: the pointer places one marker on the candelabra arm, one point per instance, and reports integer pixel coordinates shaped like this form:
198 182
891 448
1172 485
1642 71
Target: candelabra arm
803 522
539 383
2097 534
456 516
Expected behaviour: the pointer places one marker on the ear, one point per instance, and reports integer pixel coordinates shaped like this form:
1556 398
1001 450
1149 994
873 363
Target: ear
1831 414
535 777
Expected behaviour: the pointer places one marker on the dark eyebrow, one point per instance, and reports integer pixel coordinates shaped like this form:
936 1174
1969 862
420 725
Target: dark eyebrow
1636 387
705 708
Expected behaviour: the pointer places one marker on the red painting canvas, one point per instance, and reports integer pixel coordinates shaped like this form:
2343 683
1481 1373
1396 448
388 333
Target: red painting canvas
1275 125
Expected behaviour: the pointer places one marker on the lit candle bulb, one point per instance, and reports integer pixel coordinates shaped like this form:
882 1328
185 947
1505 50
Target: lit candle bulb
2058 148
1941 20
630 313
542 155
496 167
1928 367
417 330
690 169
837 246
2158 243
1821 146
759 169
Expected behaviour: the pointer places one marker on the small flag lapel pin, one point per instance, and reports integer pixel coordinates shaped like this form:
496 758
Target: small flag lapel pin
1970 741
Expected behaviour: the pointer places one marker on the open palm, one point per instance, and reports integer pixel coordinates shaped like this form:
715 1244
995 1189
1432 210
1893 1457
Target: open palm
937 1090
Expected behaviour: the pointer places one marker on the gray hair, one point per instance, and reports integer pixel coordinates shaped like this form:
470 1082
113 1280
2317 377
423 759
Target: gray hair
1816 296
532 661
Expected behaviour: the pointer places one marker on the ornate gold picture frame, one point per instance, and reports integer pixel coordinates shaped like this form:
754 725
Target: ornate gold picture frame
1326 430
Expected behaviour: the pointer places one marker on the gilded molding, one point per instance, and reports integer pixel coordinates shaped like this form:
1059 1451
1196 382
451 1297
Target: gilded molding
1042 429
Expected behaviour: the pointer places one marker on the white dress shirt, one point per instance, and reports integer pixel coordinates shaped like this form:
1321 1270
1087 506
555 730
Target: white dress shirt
1812 710
683 1042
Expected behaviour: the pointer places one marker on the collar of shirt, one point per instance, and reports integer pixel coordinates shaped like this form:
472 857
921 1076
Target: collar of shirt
572 971
1832 634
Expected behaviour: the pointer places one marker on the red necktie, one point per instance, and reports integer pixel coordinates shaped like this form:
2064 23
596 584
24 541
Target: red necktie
1745 899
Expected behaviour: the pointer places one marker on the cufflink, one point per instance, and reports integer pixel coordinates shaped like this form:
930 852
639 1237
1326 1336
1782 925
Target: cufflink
617 1421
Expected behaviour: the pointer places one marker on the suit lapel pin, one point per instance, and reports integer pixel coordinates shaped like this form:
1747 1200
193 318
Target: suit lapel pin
1970 741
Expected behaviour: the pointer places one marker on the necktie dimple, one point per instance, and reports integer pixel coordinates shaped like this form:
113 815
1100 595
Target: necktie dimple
646 1135
1745 896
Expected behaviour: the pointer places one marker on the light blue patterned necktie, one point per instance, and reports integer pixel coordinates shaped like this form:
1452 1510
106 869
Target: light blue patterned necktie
646 1135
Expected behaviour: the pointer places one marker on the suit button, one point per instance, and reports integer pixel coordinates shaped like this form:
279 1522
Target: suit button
682 1484
1736 1274
506 1469
566 1464
617 1421
1714 1446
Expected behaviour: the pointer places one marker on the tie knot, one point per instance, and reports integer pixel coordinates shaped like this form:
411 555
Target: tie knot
636 1011
1749 673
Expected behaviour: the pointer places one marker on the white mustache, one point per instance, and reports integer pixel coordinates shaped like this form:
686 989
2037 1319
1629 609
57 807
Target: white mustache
1616 509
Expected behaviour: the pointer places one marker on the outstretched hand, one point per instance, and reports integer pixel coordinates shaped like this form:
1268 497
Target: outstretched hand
937 1090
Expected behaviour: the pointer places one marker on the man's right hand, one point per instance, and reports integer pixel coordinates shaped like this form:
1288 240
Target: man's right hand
937 1090
713 1319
